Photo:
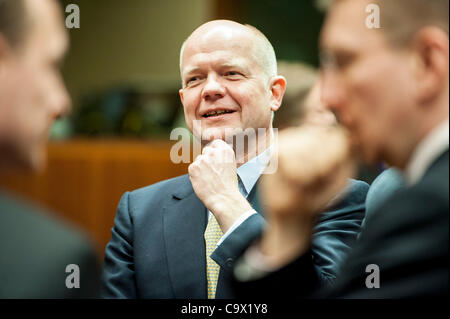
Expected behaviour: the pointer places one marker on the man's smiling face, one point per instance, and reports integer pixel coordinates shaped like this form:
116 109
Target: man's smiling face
224 85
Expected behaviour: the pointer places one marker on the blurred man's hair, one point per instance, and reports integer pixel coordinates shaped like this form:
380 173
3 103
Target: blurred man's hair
13 21
401 19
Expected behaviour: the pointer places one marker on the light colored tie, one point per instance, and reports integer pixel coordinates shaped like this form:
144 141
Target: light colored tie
212 235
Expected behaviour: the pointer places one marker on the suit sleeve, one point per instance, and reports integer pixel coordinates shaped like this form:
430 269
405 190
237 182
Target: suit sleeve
334 235
118 276
233 246
336 232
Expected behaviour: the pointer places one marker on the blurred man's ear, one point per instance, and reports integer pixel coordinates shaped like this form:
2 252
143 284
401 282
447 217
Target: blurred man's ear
431 49
277 87
5 52
3 48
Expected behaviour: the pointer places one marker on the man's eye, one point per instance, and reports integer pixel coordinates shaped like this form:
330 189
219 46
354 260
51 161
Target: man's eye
192 80
233 74
343 60
337 61
327 59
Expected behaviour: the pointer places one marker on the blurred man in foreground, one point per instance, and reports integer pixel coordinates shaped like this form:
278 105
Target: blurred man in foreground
390 88
40 257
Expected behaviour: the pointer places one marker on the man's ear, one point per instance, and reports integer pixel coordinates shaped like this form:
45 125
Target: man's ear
180 91
431 52
277 87
4 51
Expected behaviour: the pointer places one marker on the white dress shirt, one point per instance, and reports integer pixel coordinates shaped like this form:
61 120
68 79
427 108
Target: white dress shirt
428 150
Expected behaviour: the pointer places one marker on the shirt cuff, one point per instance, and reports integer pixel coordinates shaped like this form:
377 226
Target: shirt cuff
236 224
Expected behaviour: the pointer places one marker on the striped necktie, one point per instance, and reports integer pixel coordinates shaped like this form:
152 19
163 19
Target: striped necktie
212 235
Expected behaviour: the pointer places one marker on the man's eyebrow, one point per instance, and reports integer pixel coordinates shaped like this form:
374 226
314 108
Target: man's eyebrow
232 65
237 67
190 70
193 69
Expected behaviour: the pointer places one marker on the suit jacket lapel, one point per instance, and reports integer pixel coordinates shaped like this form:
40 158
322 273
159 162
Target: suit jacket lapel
184 222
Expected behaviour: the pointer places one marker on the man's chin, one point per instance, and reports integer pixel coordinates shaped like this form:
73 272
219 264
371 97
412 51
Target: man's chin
15 162
368 155
39 162
212 134
35 159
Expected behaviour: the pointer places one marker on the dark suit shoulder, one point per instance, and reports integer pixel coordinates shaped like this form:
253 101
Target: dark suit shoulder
155 195
172 185
407 238
427 199
436 178
357 191
417 207
44 225
39 247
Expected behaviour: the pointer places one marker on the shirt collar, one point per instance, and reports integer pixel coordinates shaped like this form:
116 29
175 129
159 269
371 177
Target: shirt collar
250 171
433 145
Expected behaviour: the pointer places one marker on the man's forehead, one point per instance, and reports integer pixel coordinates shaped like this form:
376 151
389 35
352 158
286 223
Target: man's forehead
222 32
219 38
218 59
220 47
48 24
220 29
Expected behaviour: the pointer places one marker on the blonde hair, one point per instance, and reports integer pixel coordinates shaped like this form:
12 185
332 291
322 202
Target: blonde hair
401 19
13 21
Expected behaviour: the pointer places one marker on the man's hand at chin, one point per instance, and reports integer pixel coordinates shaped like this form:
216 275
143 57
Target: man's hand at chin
213 176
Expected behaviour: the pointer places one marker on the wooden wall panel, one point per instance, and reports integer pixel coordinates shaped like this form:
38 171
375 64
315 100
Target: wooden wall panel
85 179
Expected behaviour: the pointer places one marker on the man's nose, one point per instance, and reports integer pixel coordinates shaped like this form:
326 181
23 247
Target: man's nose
62 103
332 94
213 89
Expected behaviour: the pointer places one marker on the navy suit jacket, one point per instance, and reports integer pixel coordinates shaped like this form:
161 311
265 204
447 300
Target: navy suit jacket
157 248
